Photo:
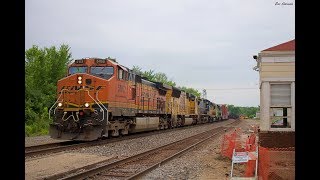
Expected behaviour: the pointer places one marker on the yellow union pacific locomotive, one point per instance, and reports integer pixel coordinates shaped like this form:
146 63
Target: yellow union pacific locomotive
101 98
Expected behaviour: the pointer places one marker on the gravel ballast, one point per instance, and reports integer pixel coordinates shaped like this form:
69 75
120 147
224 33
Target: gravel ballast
139 145
188 166
39 140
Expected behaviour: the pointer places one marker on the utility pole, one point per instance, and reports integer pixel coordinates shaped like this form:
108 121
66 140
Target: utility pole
204 94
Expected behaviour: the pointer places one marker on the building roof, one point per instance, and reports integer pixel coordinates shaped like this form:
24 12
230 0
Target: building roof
287 46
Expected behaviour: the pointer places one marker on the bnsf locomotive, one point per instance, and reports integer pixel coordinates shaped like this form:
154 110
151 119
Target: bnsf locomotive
101 98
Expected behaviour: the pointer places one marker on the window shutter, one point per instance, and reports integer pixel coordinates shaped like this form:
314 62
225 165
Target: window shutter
280 95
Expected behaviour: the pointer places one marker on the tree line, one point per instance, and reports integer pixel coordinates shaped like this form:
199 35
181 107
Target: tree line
236 111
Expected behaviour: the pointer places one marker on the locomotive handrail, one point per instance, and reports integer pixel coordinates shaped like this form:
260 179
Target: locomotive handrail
71 116
103 106
98 105
56 103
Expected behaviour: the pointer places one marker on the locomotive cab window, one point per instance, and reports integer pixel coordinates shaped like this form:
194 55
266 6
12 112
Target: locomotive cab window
102 71
77 69
120 74
125 75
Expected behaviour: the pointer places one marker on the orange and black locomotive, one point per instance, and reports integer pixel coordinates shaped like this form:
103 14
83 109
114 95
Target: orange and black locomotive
101 98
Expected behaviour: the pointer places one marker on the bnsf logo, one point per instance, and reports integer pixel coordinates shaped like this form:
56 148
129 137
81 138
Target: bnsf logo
80 87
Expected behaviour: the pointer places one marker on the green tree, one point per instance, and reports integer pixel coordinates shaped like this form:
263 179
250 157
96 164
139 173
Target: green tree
160 77
191 91
137 70
163 78
150 75
247 111
43 68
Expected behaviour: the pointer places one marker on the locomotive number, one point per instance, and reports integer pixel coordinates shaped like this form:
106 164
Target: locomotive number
100 61
80 87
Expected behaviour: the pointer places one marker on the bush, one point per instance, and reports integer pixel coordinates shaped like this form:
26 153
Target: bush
43 68
40 125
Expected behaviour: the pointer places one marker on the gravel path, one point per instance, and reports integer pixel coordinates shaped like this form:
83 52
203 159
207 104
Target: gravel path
50 165
38 140
204 162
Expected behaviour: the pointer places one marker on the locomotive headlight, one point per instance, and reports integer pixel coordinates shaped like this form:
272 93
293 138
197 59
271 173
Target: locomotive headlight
59 104
79 78
79 82
86 104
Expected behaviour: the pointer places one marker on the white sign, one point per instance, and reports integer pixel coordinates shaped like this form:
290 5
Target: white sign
239 157
253 155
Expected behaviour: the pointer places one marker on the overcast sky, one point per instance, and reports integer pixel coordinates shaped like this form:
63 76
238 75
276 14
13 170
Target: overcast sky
203 44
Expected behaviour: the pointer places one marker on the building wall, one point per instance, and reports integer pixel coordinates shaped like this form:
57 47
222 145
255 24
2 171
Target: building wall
264 106
279 139
275 67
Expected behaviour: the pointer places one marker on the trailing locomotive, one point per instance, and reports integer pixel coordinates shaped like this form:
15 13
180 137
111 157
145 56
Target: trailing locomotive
101 98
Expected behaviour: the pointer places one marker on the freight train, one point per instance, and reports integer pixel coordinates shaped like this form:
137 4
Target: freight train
101 98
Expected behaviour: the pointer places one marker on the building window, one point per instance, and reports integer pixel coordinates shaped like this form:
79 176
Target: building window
280 106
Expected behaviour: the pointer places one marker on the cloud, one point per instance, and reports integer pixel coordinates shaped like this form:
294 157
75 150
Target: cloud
197 43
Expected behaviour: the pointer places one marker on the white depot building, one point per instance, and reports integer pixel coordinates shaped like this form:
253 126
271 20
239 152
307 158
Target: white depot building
276 67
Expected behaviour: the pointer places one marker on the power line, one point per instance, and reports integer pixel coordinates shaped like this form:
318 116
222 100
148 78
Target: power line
233 89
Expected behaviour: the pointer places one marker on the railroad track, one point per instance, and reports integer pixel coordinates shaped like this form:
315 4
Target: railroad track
51 148
68 145
137 165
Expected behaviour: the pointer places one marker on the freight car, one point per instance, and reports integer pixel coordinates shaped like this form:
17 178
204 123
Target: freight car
101 98
207 111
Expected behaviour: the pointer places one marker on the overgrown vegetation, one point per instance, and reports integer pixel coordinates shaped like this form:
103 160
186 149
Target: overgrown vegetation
236 111
43 68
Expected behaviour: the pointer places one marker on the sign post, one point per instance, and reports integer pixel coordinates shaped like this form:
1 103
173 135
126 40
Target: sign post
240 157
256 172
232 163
